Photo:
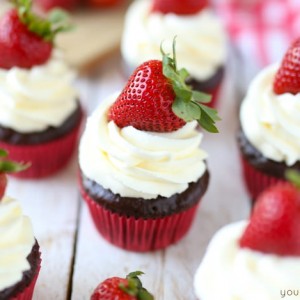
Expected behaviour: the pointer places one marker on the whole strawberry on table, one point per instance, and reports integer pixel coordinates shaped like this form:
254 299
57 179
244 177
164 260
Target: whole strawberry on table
117 288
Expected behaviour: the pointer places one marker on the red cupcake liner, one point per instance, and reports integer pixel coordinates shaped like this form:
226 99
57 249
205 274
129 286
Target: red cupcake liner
27 293
255 180
45 158
140 235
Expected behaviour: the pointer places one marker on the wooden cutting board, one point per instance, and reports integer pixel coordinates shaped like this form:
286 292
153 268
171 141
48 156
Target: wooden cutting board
96 36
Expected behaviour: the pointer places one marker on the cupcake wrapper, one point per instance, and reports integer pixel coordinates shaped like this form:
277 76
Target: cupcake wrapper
255 180
45 158
27 293
140 235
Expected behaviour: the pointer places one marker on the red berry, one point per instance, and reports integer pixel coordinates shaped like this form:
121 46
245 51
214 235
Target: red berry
49 4
146 101
274 226
110 289
20 47
104 3
179 7
3 183
287 79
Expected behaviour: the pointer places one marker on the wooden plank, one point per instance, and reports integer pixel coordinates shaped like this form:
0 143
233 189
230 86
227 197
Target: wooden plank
52 205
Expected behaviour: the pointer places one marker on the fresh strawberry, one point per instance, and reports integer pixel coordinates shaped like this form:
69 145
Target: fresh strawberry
156 98
287 79
129 288
274 226
179 7
26 39
7 166
47 5
104 3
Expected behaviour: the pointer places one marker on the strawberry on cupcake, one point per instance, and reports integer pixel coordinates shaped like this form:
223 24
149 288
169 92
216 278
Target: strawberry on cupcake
142 171
270 124
256 259
39 109
201 39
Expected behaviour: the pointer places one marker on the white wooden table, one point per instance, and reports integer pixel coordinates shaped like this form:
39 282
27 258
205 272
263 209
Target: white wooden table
76 258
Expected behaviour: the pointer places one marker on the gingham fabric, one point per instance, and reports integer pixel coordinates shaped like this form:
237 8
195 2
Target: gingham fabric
260 29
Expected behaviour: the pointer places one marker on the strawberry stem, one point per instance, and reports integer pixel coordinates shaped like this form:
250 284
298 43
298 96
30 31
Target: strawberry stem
56 21
135 287
293 177
189 104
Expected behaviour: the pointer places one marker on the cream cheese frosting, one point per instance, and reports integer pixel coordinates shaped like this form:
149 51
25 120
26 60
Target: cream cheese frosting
136 163
271 122
229 272
200 43
33 99
16 242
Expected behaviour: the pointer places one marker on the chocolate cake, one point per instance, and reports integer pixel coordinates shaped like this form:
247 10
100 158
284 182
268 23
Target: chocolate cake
13 137
207 85
260 162
141 208
28 276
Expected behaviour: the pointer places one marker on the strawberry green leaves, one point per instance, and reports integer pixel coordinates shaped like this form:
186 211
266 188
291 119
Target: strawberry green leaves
57 20
188 105
8 166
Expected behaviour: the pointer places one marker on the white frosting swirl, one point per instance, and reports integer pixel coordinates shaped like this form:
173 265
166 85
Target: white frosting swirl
200 43
34 99
16 242
229 272
271 122
136 163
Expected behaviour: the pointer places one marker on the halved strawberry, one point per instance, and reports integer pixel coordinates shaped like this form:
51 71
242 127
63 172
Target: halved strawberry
156 98
287 79
179 7
26 40
129 288
7 166
274 226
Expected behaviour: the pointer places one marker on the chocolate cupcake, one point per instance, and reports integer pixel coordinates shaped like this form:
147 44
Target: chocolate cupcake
201 40
20 256
39 110
269 135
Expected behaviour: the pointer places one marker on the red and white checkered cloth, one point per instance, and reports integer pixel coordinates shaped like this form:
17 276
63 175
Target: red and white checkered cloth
261 29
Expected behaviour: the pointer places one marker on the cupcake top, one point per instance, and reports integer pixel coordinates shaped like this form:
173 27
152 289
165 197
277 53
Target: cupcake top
138 163
242 273
260 258
270 111
270 121
16 242
31 100
201 46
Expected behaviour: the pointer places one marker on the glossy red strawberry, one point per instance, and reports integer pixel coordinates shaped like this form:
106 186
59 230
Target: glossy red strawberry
179 7
3 183
156 98
287 79
8 166
274 226
26 39
116 288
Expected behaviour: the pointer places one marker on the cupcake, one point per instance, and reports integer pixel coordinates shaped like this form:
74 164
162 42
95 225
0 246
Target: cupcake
142 173
201 46
256 259
20 257
40 113
270 124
